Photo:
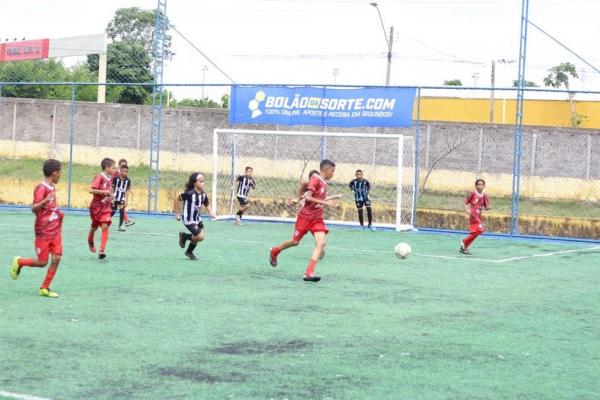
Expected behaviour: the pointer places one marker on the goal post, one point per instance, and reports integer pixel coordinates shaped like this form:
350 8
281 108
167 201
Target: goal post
281 161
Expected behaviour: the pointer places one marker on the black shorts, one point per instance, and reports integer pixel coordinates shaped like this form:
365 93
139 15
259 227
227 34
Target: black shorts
116 204
361 203
195 229
243 201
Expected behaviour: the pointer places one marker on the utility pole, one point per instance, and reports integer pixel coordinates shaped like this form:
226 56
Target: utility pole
388 41
493 85
389 56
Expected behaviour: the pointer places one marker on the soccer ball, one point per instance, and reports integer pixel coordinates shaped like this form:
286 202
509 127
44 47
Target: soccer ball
402 250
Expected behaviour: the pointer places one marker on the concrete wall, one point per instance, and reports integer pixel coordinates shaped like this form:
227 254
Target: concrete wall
556 162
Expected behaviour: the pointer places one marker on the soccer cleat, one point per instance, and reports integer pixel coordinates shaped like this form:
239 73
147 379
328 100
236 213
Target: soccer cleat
311 278
46 292
190 255
462 248
129 223
15 270
182 240
101 255
372 228
272 258
121 229
238 220
91 245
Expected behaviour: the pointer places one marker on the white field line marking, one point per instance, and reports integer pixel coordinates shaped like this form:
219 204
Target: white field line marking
554 253
19 396
462 258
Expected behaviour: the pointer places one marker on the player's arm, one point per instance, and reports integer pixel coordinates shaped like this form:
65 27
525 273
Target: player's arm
39 200
177 202
351 185
467 205
308 196
209 210
253 183
335 196
94 189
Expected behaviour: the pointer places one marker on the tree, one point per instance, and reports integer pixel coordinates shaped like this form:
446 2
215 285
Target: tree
527 84
559 76
127 63
453 82
45 71
225 101
134 25
200 103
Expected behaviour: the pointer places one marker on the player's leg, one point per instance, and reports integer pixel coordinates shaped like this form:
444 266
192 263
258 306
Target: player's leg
196 236
93 229
45 288
104 239
309 274
42 248
121 218
244 205
475 230
300 230
128 222
361 218
369 214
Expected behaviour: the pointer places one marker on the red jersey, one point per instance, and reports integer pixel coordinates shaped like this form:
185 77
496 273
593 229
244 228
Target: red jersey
477 202
48 219
101 182
318 187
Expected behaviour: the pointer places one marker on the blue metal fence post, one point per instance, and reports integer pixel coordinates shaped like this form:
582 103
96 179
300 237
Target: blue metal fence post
416 156
71 139
514 220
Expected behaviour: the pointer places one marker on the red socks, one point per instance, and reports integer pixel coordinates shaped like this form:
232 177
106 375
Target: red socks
275 251
26 262
311 267
49 277
469 239
104 239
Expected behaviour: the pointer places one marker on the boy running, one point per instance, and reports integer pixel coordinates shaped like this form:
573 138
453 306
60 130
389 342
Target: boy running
101 205
121 186
48 226
192 199
301 189
474 203
245 183
310 219
361 187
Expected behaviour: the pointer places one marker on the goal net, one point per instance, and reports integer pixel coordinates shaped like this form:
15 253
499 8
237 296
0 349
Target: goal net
281 161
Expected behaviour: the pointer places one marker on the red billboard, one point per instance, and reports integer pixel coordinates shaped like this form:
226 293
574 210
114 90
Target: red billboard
26 50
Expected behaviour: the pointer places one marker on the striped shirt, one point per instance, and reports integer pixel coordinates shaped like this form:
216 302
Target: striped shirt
361 189
120 188
244 185
192 203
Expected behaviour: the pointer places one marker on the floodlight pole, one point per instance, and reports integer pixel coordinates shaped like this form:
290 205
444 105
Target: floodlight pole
514 220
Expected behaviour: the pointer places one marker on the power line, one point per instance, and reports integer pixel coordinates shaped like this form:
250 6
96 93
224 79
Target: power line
563 46
201 53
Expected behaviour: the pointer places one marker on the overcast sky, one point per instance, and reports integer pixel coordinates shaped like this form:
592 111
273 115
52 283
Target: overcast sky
304 41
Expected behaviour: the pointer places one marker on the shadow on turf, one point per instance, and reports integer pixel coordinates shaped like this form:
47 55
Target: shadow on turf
250 348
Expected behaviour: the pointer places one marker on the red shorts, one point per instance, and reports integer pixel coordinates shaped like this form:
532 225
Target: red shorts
45 247
476 228
100 215
304 225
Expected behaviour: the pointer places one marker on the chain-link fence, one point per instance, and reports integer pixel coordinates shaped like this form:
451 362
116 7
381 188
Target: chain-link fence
462 134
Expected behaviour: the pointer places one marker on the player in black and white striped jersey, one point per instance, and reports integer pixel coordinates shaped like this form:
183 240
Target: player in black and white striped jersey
121 188
191 202
245 183
361 187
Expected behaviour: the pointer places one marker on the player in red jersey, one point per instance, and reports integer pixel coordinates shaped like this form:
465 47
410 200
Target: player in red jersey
310 219
301 189
474 204
48 226
101 205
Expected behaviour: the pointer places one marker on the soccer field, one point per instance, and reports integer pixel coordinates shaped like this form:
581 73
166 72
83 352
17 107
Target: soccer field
514 320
